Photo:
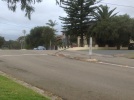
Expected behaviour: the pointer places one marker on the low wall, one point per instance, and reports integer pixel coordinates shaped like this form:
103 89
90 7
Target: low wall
97 48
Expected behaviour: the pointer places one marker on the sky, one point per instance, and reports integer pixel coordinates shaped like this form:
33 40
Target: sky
12 24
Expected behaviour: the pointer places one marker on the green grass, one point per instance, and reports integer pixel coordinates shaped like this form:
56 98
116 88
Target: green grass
9 90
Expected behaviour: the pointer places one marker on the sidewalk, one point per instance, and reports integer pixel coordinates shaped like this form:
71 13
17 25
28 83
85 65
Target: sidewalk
79 55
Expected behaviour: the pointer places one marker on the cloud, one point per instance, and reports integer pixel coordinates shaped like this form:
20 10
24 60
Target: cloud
12 23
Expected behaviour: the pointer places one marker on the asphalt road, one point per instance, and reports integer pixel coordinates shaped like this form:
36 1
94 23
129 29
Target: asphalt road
68 78
111 52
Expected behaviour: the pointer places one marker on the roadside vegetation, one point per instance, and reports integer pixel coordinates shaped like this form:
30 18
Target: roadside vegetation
101 22
10 90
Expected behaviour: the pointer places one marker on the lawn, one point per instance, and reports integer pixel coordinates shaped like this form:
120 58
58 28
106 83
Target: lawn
9 90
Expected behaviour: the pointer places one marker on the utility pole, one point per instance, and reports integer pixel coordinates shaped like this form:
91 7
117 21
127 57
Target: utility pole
21 41
50 45
90 47
24 32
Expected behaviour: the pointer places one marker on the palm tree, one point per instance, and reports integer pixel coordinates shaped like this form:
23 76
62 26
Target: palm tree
103 13
52 23
102 29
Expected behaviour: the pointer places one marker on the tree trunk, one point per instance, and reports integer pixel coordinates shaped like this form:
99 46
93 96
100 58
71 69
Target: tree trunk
87 41
118 47
81 40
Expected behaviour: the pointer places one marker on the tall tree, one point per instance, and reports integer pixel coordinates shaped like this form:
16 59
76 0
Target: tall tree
104 13
103 29
48 37
35 39
123 26
40 36
132 29
52 24
2 40
116 31
79 15
26 5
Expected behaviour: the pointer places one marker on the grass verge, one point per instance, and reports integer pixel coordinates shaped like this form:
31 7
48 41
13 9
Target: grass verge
9 90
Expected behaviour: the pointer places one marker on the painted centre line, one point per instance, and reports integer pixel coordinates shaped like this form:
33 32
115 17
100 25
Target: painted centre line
22 55
124 66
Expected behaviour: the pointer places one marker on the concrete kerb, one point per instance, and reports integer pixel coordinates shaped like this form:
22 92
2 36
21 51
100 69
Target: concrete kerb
74 57
93 60
44 93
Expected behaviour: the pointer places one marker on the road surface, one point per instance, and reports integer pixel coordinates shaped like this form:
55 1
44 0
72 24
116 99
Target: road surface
68 78
110 52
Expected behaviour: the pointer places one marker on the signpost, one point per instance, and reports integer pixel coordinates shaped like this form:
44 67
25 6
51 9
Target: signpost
90 47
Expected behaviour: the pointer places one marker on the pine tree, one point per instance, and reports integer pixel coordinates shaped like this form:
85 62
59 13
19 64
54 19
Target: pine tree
79 16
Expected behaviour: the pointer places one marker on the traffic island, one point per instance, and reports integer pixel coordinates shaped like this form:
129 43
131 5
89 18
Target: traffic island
77 58
92 60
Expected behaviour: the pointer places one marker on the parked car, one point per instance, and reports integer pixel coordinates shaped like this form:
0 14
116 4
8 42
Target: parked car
40 48
131 46
34 48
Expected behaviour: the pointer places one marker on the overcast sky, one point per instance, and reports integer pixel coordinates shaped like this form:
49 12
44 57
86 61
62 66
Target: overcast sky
12 24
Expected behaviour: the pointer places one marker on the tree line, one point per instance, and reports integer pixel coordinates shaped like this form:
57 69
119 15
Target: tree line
38 36
85 18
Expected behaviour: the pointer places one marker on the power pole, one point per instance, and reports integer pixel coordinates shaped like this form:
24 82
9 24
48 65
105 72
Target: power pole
50 45
90 47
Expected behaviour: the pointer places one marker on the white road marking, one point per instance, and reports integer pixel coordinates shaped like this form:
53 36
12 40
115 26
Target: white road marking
124 66
22 55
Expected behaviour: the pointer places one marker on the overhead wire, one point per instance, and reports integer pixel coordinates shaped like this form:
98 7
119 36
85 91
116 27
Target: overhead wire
118 4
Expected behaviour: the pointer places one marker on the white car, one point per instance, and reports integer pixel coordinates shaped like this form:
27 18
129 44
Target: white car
41 48
35 49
